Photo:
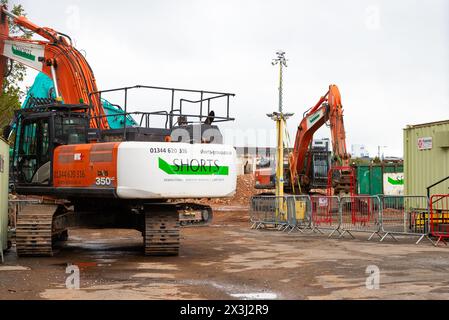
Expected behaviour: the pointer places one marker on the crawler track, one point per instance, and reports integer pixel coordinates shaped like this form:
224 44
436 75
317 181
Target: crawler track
161 237
34 231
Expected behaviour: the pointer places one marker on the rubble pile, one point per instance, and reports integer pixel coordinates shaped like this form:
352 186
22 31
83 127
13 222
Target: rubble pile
242 197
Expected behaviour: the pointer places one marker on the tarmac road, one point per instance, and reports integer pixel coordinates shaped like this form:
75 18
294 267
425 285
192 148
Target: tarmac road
228 260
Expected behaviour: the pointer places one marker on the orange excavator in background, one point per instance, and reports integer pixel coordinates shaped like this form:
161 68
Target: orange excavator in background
134 177
300 164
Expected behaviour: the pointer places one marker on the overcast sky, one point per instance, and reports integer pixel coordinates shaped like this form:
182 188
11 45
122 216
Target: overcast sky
390 59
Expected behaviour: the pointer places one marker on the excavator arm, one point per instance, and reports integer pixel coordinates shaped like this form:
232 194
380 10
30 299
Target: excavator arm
327 109
57 58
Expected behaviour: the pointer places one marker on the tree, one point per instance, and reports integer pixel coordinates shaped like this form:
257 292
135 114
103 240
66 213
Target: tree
11 92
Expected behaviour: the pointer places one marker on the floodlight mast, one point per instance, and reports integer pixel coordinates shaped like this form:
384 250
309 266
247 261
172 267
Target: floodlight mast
282 63
280 118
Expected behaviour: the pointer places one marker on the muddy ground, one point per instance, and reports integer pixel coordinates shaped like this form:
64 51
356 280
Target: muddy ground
228 260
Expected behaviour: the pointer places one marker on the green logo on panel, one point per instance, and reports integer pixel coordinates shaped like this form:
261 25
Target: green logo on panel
314 118
26 54
396 182
193 167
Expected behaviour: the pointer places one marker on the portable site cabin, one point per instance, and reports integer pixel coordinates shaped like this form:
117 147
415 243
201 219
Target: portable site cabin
4 175
426 158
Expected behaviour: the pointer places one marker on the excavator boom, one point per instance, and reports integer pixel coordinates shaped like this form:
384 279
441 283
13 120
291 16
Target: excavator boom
57 58
327 109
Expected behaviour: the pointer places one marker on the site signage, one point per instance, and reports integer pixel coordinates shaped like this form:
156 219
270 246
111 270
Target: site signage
25 53
175 170
394 184
425 143
312 119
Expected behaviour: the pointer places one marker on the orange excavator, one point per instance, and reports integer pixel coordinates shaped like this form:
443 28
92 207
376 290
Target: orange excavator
57 58
134 177
299 168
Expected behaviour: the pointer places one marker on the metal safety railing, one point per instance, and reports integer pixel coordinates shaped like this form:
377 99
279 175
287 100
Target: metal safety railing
288 213
439 217
405 215
299 213
325 214
383 215
175 99
360 214
264 210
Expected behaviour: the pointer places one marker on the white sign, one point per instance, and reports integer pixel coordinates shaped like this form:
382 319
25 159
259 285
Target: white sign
425 143
155 170
312 119
394 184
322 202
25 53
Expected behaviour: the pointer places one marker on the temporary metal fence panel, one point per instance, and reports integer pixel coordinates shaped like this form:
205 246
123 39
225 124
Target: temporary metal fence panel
360 214
268 211
325 213
376 215
439 217
298 213
405 215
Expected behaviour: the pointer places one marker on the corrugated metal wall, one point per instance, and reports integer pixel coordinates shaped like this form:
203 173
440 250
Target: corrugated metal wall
425 163
4 166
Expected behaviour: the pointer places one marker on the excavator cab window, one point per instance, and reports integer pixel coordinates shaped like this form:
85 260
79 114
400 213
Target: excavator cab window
70 130
38 135
33 151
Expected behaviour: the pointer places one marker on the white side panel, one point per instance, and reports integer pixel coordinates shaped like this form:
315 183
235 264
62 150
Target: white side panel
312 119
157 170
26 53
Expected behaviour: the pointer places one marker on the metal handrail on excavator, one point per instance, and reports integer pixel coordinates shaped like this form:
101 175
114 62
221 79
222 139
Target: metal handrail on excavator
176 110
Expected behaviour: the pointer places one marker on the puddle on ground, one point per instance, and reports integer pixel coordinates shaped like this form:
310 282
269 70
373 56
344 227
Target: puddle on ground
101 260
392 285
14 268
255 296
129 291
154 275
231 208
157 266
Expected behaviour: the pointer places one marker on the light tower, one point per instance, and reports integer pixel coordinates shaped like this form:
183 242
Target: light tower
280 119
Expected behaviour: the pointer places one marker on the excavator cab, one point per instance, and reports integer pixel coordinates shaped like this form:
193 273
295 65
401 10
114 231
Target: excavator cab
38 133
